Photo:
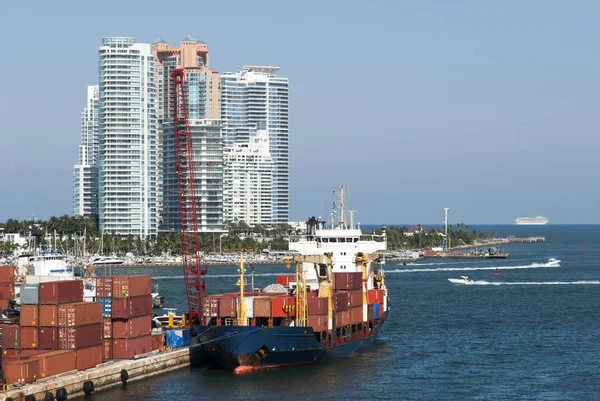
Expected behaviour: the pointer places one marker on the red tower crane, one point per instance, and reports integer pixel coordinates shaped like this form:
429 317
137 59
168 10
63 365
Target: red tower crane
188 224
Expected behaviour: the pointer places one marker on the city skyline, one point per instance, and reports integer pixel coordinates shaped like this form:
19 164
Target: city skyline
489 109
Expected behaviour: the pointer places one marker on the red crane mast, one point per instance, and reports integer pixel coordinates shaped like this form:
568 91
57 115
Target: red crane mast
188 223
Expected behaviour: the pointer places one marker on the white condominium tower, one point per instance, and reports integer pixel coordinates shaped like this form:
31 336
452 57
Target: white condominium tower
249 181
127 162
85 174
255 99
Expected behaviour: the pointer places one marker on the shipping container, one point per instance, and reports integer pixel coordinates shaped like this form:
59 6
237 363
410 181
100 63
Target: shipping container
347 281
131 286
79 314
48 338
30 294
49 315
107 347
106 306
7 353
249 303
21 370
370 312
7 290
128 348
89 357
283 307
30 337
134 327
61 292
318 322
318 306
211 307
227 306
340 301
355 298
29 315
262 307
57 362
342 318
355 314
7 274
4 304
285 280
125 308
376 296
107 327
11 337
376 310
80 337
157 342
104 286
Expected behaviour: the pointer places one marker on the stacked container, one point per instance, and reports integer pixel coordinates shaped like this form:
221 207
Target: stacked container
318 313
347 298
7 285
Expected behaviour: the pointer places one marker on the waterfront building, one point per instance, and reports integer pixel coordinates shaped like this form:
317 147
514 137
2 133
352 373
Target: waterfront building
249 181
85 174
207 155
127 157
256 99
202 90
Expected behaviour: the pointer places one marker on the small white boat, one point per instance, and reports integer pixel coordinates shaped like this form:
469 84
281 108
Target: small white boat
107 260
461 280
553 262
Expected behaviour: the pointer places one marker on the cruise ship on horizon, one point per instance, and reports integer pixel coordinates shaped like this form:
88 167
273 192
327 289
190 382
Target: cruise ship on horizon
531 221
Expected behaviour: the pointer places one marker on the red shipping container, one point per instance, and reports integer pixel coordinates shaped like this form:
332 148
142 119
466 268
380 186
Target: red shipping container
134 327
125 308
355 298
7 274
128 348
285 280
30 337
340 301
283 307
104 286
370 312
318 322
4 304
211 307
375 296
29 315
107 348
262 307
7 290
48 315
80 337
79 314
312 294
21 370
107 326
318 306
342 318
227 307
131 286
89 357
61 292
8 353
356 314
347 281
157 342
11 337
57 362
48 338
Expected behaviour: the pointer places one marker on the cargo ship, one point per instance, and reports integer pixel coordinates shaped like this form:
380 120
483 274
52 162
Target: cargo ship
334 304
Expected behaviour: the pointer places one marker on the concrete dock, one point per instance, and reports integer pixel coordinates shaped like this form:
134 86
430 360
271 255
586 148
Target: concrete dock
107 375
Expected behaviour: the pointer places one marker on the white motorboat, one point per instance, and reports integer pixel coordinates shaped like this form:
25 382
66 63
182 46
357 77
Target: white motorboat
107 260
553 262
461 280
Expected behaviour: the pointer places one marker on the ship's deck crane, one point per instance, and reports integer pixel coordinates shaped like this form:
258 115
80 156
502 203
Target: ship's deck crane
188 223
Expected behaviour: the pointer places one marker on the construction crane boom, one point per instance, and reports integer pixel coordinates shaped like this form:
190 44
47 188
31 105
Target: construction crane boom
188 223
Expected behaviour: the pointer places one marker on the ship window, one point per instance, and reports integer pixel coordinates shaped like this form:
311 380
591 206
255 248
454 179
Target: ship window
325 239
355 239
318 239
348 239
341 239
332 239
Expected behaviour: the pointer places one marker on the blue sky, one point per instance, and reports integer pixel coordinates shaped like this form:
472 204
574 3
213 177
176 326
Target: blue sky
490 108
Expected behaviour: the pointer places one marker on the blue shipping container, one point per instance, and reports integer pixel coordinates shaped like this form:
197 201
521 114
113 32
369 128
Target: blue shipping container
106 306
376 310
177 338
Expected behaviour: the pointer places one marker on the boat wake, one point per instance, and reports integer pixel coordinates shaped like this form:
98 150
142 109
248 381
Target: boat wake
483 282
454 269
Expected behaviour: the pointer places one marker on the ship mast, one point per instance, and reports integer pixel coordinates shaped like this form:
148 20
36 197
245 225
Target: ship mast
342 217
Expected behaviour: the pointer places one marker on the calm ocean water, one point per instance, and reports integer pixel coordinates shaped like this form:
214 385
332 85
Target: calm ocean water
532 333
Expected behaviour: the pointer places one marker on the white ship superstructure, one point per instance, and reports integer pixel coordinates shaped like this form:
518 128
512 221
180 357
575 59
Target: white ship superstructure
531 221
343 241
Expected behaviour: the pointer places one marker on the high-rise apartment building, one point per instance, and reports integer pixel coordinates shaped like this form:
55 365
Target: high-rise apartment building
256 99
127 161
249 181
85 175
202 97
